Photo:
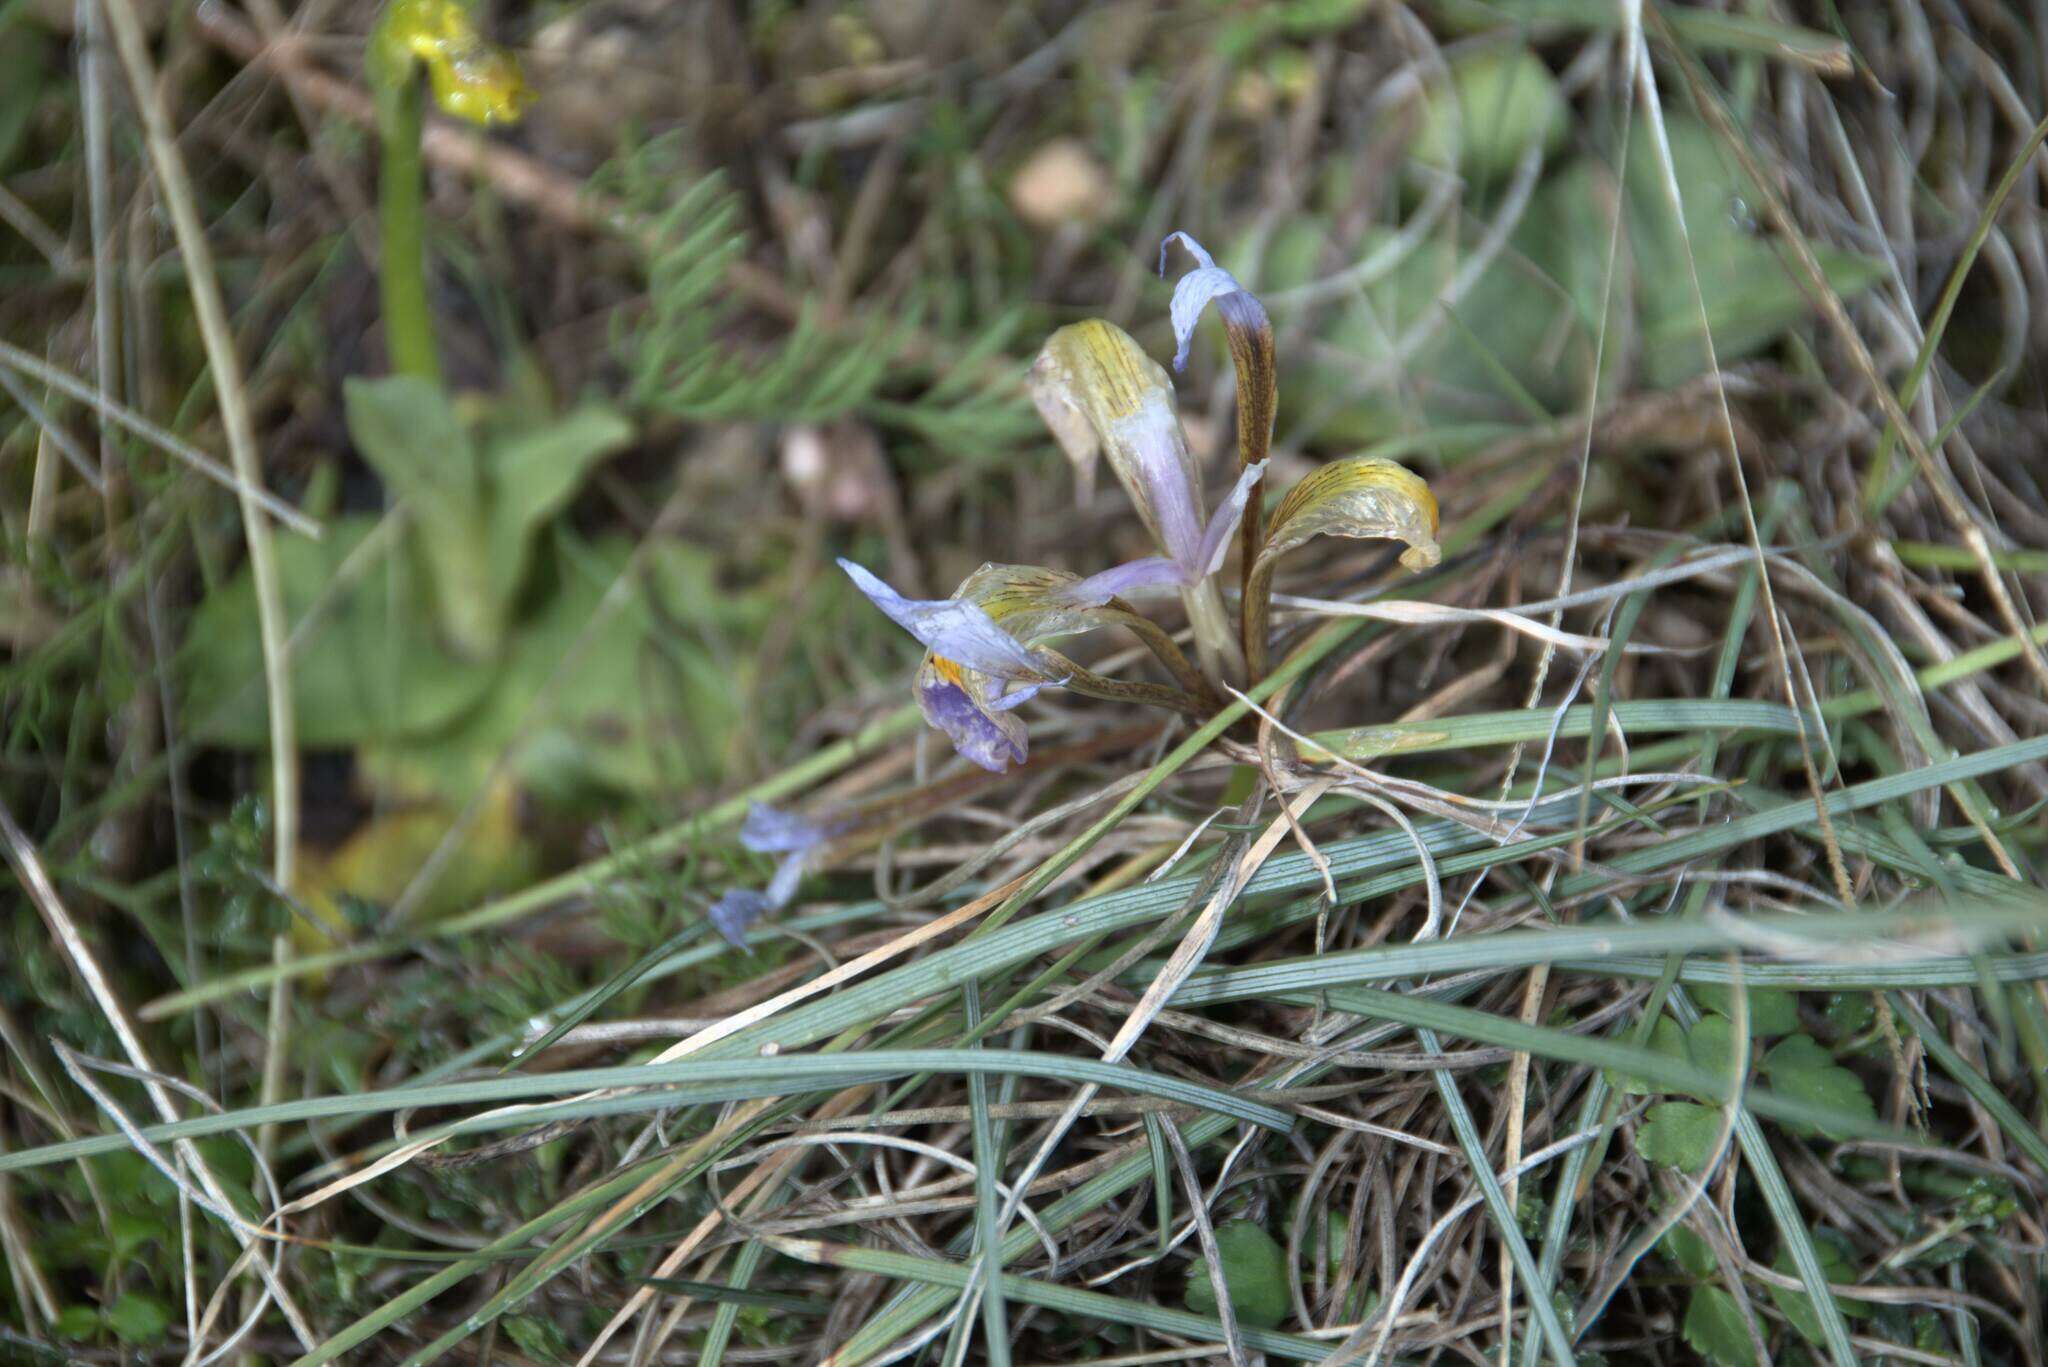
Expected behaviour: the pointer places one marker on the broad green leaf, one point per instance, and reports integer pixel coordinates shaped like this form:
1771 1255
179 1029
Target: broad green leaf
529 475
1837 1261
1499 100
370 666
590 698
409 433
1749 298
1772 1011
1801 1068
478 488
1679 1134
1254 1270
1715 1328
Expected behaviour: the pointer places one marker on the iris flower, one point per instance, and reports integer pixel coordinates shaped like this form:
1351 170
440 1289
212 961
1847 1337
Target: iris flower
1102 396
985 651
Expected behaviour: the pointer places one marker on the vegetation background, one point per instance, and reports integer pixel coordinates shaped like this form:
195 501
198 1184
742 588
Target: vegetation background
1650 975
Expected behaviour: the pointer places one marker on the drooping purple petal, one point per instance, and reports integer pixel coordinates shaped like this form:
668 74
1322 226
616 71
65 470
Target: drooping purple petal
1150 576
951 627
1194 291
769 830
993 739
1216 536
1153 439
733 912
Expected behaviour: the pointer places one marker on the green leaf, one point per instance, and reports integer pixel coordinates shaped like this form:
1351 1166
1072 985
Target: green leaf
1667 1037
1715 1328
1749 299
370 666
1711 1044
128 1231
1689 1250
1679 1134
476 497
1849 1013
589 699
1801 1068
1772 1011
530 474
1254 1270
407 431
538 1336
76 1322
136 1318
1837 1262
1499 100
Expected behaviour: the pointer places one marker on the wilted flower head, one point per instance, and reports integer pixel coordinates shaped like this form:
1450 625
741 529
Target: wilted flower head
981 659
1101 395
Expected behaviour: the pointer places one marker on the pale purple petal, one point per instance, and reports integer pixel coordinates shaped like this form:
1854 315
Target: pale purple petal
782 887
768 830
1216 537
952 628
994 740
1018 696
1194 292
1153 575
1152 435
732 913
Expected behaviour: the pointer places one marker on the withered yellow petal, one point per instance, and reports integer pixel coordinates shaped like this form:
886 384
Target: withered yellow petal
1092 380
1363 496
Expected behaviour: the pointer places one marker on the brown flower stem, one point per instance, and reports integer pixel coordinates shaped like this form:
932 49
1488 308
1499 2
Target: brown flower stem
1192 680
1257 610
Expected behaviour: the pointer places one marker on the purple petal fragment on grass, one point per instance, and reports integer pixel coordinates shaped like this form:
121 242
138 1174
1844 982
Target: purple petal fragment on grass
782 887
733 912
1195 290
950 627
769 830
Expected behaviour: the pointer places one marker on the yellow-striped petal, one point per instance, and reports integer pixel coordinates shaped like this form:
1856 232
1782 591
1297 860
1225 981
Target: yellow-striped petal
1093 380
1364 496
